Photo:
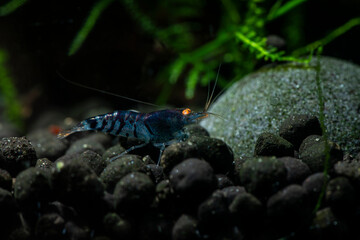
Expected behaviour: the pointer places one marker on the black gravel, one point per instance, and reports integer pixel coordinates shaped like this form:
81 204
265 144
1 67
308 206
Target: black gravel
89 157
47 145
269 144
288 209
5 180
134 193
50 226
74 183
297 170
117 227
119 168
16 154
185 228
297 127
341 196
313 153
9 219
216 152
74 189
44 163
263 176
32 188
193 180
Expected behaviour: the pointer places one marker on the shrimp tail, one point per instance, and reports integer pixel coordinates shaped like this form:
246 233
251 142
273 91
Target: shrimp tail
66 133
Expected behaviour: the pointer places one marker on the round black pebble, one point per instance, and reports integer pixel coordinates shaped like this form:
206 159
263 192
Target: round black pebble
84 144
350 170
288 208
17 154
116 227
134 192
176 153
103 139
196 130
32 187
310 140
112 152
341 196
313 185
153 226
216 152
297 170
314 154
5 180
230 192
165 197
119 168
8 210
269 144
91 158
326 225
223 181
49 227
156 172
263 176
247 211
76 232
193 179
185 228
76 184
44 164
213 212
47 145
297 127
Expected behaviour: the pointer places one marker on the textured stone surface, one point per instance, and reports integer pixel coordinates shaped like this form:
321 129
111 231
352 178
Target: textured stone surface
264 99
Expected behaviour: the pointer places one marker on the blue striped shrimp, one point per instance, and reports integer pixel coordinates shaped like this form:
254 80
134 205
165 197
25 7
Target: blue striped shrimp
159 128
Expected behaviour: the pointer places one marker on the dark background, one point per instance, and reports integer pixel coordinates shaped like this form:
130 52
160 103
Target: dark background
118 56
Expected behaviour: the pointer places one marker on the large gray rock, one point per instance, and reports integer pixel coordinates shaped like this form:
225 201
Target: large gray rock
262 100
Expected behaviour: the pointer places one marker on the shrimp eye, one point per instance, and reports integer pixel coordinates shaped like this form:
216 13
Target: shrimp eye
186 111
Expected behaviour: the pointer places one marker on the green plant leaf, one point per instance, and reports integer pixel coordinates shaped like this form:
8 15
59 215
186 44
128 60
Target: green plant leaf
191 82
278 10
9 94
11 7
95 13
330 37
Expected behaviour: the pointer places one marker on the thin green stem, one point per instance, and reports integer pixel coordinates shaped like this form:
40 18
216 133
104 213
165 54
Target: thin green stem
323 128
333 35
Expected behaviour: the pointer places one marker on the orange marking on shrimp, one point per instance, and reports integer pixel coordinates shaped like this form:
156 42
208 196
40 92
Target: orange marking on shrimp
186 111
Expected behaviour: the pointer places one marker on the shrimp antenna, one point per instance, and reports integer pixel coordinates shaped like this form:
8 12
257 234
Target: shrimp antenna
216 115
222 90
105 92
208 100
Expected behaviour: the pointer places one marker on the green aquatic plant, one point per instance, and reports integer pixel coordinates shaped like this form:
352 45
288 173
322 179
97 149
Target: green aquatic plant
95 13
240 41
11 6
9 94
323 129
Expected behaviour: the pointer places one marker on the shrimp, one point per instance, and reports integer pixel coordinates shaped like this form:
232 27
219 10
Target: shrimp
160 128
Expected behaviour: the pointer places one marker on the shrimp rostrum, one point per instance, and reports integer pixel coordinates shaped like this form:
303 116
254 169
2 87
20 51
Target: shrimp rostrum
159 128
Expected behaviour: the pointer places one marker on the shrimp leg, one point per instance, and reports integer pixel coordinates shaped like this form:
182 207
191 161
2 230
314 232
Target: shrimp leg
162 148
129 150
